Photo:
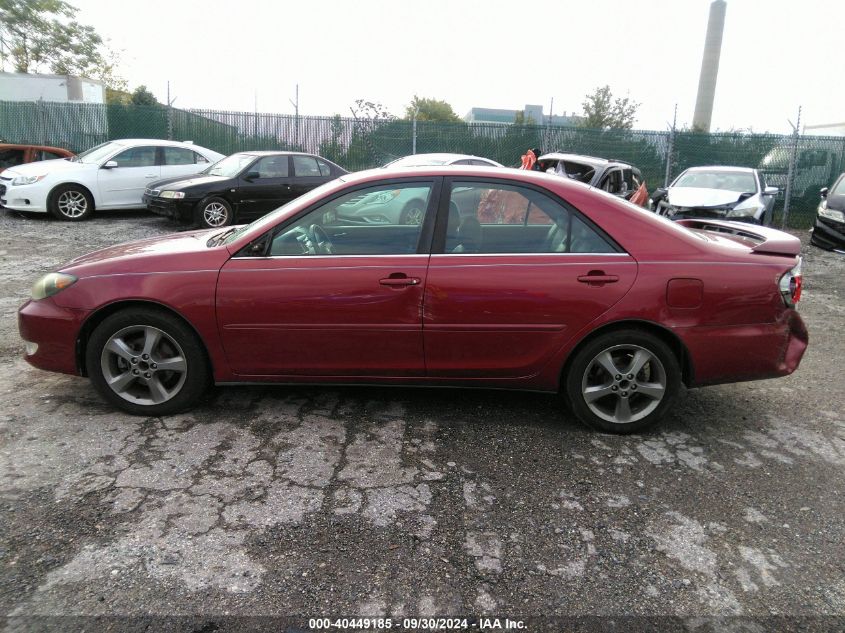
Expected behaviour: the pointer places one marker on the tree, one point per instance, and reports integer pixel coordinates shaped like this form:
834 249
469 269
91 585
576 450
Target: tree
431 110
142 96
602 111
37 35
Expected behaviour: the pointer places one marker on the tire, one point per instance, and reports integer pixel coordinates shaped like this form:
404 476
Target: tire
413 213
214 213
71 203
626 404
116 363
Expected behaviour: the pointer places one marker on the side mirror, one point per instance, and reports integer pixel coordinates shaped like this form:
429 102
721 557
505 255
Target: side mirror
771 191
252 175
111 164
823 192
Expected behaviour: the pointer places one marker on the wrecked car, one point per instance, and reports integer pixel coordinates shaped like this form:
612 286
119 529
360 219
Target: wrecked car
620 179
716 192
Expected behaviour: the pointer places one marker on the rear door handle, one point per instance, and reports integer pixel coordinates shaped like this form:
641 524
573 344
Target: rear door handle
598 278
399 281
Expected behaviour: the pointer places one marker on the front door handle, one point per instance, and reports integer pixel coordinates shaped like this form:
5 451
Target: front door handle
398 280
598 278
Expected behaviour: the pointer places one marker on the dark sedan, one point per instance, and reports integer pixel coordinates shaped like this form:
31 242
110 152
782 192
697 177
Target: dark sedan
829 230
240 187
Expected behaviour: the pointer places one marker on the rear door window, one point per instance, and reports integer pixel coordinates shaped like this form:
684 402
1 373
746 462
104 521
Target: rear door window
306 166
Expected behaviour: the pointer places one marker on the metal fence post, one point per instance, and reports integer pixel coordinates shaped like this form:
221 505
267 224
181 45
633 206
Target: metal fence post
670 149
169 122
790 173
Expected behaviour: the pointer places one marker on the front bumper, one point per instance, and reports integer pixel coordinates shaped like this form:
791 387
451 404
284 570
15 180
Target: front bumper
55 331
828 234
179 210
31 198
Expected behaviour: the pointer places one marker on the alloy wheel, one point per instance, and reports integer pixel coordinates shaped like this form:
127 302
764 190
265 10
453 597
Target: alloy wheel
215 214
143 365
624 384
72 204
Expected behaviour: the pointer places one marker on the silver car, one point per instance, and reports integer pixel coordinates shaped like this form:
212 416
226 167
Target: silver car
717 192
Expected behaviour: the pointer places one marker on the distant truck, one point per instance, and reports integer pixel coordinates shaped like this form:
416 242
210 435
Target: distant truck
818 163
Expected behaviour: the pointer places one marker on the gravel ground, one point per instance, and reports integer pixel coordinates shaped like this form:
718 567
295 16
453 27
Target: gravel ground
399 502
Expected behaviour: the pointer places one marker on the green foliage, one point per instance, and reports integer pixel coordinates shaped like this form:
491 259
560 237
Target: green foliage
431 110
39 35
602 111
143 97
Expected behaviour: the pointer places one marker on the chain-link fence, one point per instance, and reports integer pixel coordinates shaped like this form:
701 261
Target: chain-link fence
811 162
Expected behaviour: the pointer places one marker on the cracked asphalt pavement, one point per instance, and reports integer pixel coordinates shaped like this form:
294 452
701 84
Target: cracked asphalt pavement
364 501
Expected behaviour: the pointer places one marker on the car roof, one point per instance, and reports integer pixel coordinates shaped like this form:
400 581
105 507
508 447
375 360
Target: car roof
593 161
48 147
271 152
131 142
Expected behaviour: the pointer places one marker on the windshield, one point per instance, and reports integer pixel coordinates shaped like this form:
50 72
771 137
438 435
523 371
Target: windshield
270 218
99 153
724 180
230 166
839 188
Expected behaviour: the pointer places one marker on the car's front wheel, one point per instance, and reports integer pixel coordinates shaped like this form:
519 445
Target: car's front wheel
147 362
214 213
71 202
622 381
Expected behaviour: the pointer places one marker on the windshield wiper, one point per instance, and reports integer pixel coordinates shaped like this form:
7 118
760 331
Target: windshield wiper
215 240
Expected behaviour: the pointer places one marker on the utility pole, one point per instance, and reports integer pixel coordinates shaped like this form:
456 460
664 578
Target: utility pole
414 130
790 174
170 103
295 105
670 148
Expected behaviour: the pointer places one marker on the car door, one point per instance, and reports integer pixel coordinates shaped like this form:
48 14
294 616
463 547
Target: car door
350 309
512 279
309 172
181 161
124 184
264 186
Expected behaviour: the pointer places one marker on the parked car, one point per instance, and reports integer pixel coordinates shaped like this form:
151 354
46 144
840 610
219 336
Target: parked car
240 187
733 193
430 160
109 176
829 229
608 303
12 154
620 179
402 206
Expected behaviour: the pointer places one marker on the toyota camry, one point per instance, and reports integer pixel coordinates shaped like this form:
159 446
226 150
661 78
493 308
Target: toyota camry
511 279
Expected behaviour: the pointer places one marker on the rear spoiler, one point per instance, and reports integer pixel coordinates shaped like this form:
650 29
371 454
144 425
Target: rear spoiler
767 240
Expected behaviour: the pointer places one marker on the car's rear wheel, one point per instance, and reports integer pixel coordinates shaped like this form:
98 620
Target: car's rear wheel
413 213
214 213
147 362
622 381
71 202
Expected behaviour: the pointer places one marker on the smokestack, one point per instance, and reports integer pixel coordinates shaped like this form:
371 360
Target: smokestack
709 66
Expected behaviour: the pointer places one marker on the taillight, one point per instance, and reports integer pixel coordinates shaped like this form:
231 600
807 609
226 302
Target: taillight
790 285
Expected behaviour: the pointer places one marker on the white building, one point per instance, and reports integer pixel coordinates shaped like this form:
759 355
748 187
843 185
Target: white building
57 88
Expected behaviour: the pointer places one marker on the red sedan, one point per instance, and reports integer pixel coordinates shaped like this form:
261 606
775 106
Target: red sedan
513 279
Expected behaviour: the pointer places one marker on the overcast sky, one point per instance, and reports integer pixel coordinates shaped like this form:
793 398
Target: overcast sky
226 55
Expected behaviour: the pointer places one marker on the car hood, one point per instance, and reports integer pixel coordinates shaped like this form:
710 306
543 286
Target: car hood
46 167
700 197
185 251
177 183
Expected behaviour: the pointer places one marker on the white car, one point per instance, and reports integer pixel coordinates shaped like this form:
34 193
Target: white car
718 192
426 160
109 176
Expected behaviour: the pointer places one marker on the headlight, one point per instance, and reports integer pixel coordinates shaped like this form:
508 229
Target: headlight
830 214
176 195
50 284
744 212
383 197
28 180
